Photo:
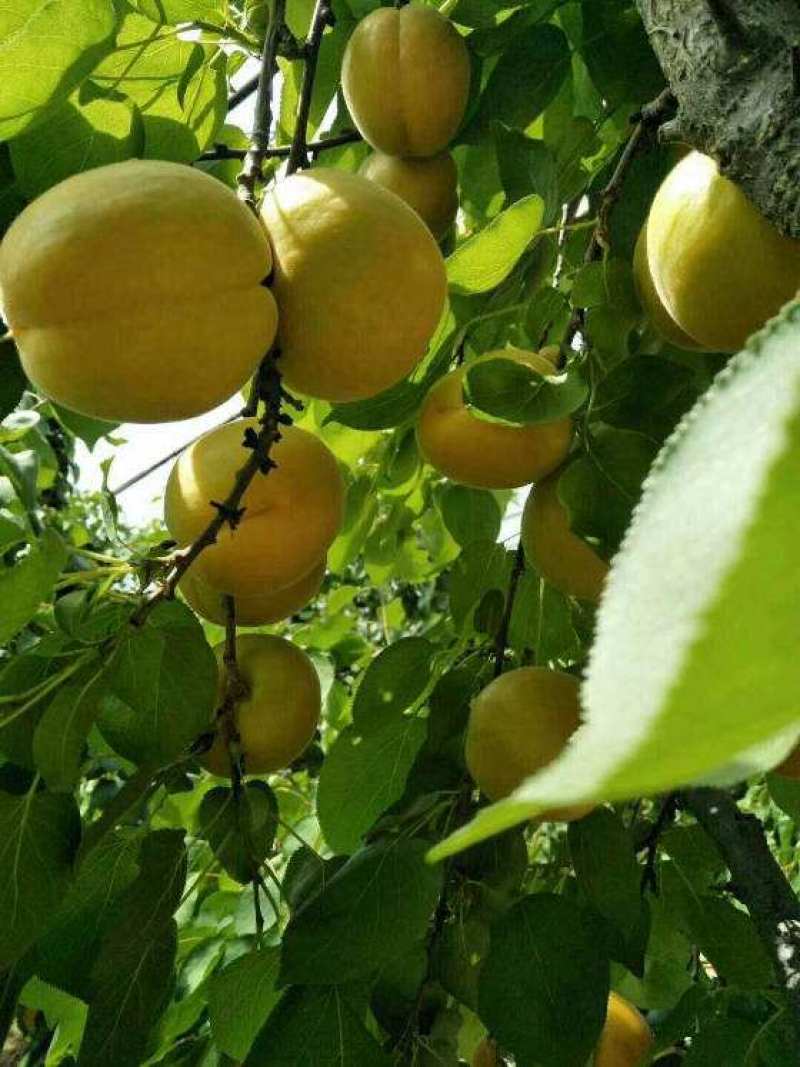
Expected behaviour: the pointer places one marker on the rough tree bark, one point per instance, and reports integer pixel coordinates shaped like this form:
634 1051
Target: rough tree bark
734 67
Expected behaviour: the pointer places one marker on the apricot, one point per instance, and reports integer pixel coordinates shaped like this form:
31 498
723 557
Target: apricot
405 78
471 450
291 514
278 717
360 282
565 560
719 267
518 724
429 186
651 301
134 292
626 1039
258 608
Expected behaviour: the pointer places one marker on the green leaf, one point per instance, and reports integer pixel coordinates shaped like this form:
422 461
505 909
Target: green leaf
610 880
728 1040
714 540
39 834
527 77
485 260
546 316
75 137
46 48
511 391
364 773
393 681
64 1014
315 1028
482 567
12 379
22 470
240 831
251 980
615 48
61 733
378 904
527 166
90 431
162 687
470 514
645 393
544 985
29 582
176 11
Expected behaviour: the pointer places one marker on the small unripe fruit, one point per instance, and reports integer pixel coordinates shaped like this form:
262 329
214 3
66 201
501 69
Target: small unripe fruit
518 724
259 608
565 560
278 717
488 455
626 1038
429 186
360 281
134 292
720 268
405 77
291 516
651 301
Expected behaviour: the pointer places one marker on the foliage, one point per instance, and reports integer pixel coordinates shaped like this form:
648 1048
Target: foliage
152 915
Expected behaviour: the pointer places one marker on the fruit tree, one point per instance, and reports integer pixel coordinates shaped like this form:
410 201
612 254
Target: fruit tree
446 711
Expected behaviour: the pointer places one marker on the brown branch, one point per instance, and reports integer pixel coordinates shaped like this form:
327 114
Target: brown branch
298 153
282 151
501 639
759 883
239 95
259 142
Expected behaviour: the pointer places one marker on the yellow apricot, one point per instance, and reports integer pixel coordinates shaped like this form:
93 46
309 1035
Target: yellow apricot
651 301
626 1038
518 724
291 514
429 186
405 78
565 560
134 292
483 454
359 279
259 608
719 267
277 718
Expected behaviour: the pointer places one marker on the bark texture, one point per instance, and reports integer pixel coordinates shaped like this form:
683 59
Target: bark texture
734 67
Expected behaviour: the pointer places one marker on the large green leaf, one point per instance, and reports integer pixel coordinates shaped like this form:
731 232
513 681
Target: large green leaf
251 980
29 582
393 681
527 76
240 829
378 904
46 48
512 391
39 834
483 261
692 664
61 733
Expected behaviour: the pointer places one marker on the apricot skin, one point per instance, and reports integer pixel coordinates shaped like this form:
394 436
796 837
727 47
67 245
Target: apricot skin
279 716
291 514
120 303
482 454
651 301
360 282
518 724
429 186
562 558
405 77
720 268
626 1038
259 608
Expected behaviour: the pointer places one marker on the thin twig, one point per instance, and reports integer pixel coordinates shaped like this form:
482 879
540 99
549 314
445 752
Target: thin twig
501 640
651 839
235 690
138 477
259 142
281 151
322 17
239 95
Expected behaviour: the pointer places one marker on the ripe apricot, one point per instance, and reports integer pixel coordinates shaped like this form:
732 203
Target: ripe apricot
405 77
651 301
259 608
134 292
565 560
277 718
626 1038
291 514
719 267
518 724
360 282
429 186
474 451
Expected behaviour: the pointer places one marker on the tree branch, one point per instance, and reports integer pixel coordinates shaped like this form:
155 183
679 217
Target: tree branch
281 151
759 883
732 66
501 639
259 143
298 153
